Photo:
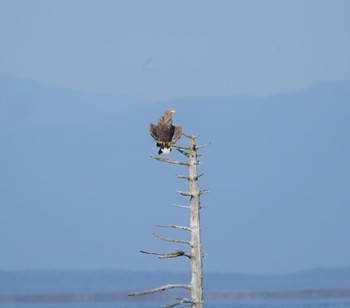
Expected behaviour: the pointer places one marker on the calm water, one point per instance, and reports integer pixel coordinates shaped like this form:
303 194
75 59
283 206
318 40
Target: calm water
213 304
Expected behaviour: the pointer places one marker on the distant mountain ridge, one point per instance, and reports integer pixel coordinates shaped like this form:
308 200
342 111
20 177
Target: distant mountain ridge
71 160
91 281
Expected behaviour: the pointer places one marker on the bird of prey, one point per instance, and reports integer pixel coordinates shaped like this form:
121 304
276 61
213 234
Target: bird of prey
165 133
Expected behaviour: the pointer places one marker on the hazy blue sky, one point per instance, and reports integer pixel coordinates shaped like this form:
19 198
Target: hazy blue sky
278 169
166 49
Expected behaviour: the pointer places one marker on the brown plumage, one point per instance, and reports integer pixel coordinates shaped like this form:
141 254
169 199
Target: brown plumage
165 133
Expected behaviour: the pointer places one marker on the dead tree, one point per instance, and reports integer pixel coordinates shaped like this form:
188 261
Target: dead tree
195 254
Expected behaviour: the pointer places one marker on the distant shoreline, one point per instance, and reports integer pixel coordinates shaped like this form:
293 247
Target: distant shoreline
121 296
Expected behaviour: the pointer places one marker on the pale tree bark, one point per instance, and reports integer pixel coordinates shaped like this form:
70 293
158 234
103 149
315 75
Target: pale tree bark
195 254
196 249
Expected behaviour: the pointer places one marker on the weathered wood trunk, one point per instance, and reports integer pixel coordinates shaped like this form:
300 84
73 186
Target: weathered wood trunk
195 255
196 248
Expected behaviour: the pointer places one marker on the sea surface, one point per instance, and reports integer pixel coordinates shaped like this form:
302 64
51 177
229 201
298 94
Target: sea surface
209 304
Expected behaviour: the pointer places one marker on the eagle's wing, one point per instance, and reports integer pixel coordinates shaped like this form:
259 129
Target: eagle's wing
154 131
177 134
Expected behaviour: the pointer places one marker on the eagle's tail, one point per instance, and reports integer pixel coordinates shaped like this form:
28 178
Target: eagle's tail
164 147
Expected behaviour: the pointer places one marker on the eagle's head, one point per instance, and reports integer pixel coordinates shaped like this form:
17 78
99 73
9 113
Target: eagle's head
170 111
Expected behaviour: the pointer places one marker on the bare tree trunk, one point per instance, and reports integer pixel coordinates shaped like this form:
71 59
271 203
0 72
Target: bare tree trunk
196 250
195 255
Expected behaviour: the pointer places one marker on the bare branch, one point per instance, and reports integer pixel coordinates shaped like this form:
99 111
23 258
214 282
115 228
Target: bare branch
205 191
184 153
183 147
170 240
186 177
202 146
190 136
174 254
171 161
162 288
184 193
183 177
183 301
182 206
175 227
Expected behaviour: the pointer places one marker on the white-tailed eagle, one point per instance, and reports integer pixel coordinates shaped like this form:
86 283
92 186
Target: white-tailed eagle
165 133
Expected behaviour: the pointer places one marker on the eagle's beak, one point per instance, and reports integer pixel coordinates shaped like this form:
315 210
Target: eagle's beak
173 111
